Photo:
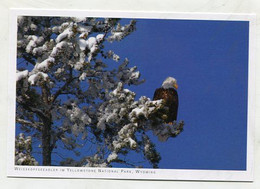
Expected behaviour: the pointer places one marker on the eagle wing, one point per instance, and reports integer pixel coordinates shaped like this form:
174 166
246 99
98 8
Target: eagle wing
170 96
159 94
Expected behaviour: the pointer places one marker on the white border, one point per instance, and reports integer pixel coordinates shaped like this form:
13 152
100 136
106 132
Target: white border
120 173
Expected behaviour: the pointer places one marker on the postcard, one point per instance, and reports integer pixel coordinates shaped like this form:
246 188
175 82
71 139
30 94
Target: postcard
131 95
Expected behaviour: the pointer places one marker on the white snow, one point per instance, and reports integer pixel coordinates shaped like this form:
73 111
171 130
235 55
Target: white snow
112 157
54 52
64 25
100 37
83 35
147 147
57 48
101 123
116 57
85 118
117 145
91 42
155 102
82 76
66 33
35 77
82 44
61 44
138 111
55 29
32 43
115 92
84 29
93 49
20 161
59 70
78 65
80 19
21 75
133 144
45 64
116 36
39 50
28 141
23 150
135 75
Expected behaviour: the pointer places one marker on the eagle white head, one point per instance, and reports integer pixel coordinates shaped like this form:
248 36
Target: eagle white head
170 82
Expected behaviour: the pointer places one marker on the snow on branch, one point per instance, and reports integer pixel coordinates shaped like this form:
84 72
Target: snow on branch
35 78
165 131
65 83
128 75
23 149
127 116
120 32
96 161
21 75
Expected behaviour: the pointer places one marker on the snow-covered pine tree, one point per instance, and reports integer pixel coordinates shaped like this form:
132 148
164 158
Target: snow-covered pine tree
69 94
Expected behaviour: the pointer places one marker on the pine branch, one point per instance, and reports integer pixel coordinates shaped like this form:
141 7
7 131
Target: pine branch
36 125
55 96
32 109
29 59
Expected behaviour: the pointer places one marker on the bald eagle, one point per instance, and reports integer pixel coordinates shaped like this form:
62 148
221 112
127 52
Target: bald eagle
168 92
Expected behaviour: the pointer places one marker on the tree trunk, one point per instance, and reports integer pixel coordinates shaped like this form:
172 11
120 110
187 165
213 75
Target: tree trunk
46 143
46 130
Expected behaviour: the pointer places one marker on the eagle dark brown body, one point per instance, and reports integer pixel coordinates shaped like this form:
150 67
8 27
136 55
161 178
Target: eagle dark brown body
170 97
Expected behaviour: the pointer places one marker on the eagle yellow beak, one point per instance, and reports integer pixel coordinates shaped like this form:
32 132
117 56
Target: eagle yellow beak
175 85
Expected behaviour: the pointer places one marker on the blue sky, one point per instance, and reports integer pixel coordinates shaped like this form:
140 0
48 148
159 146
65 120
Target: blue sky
209 60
